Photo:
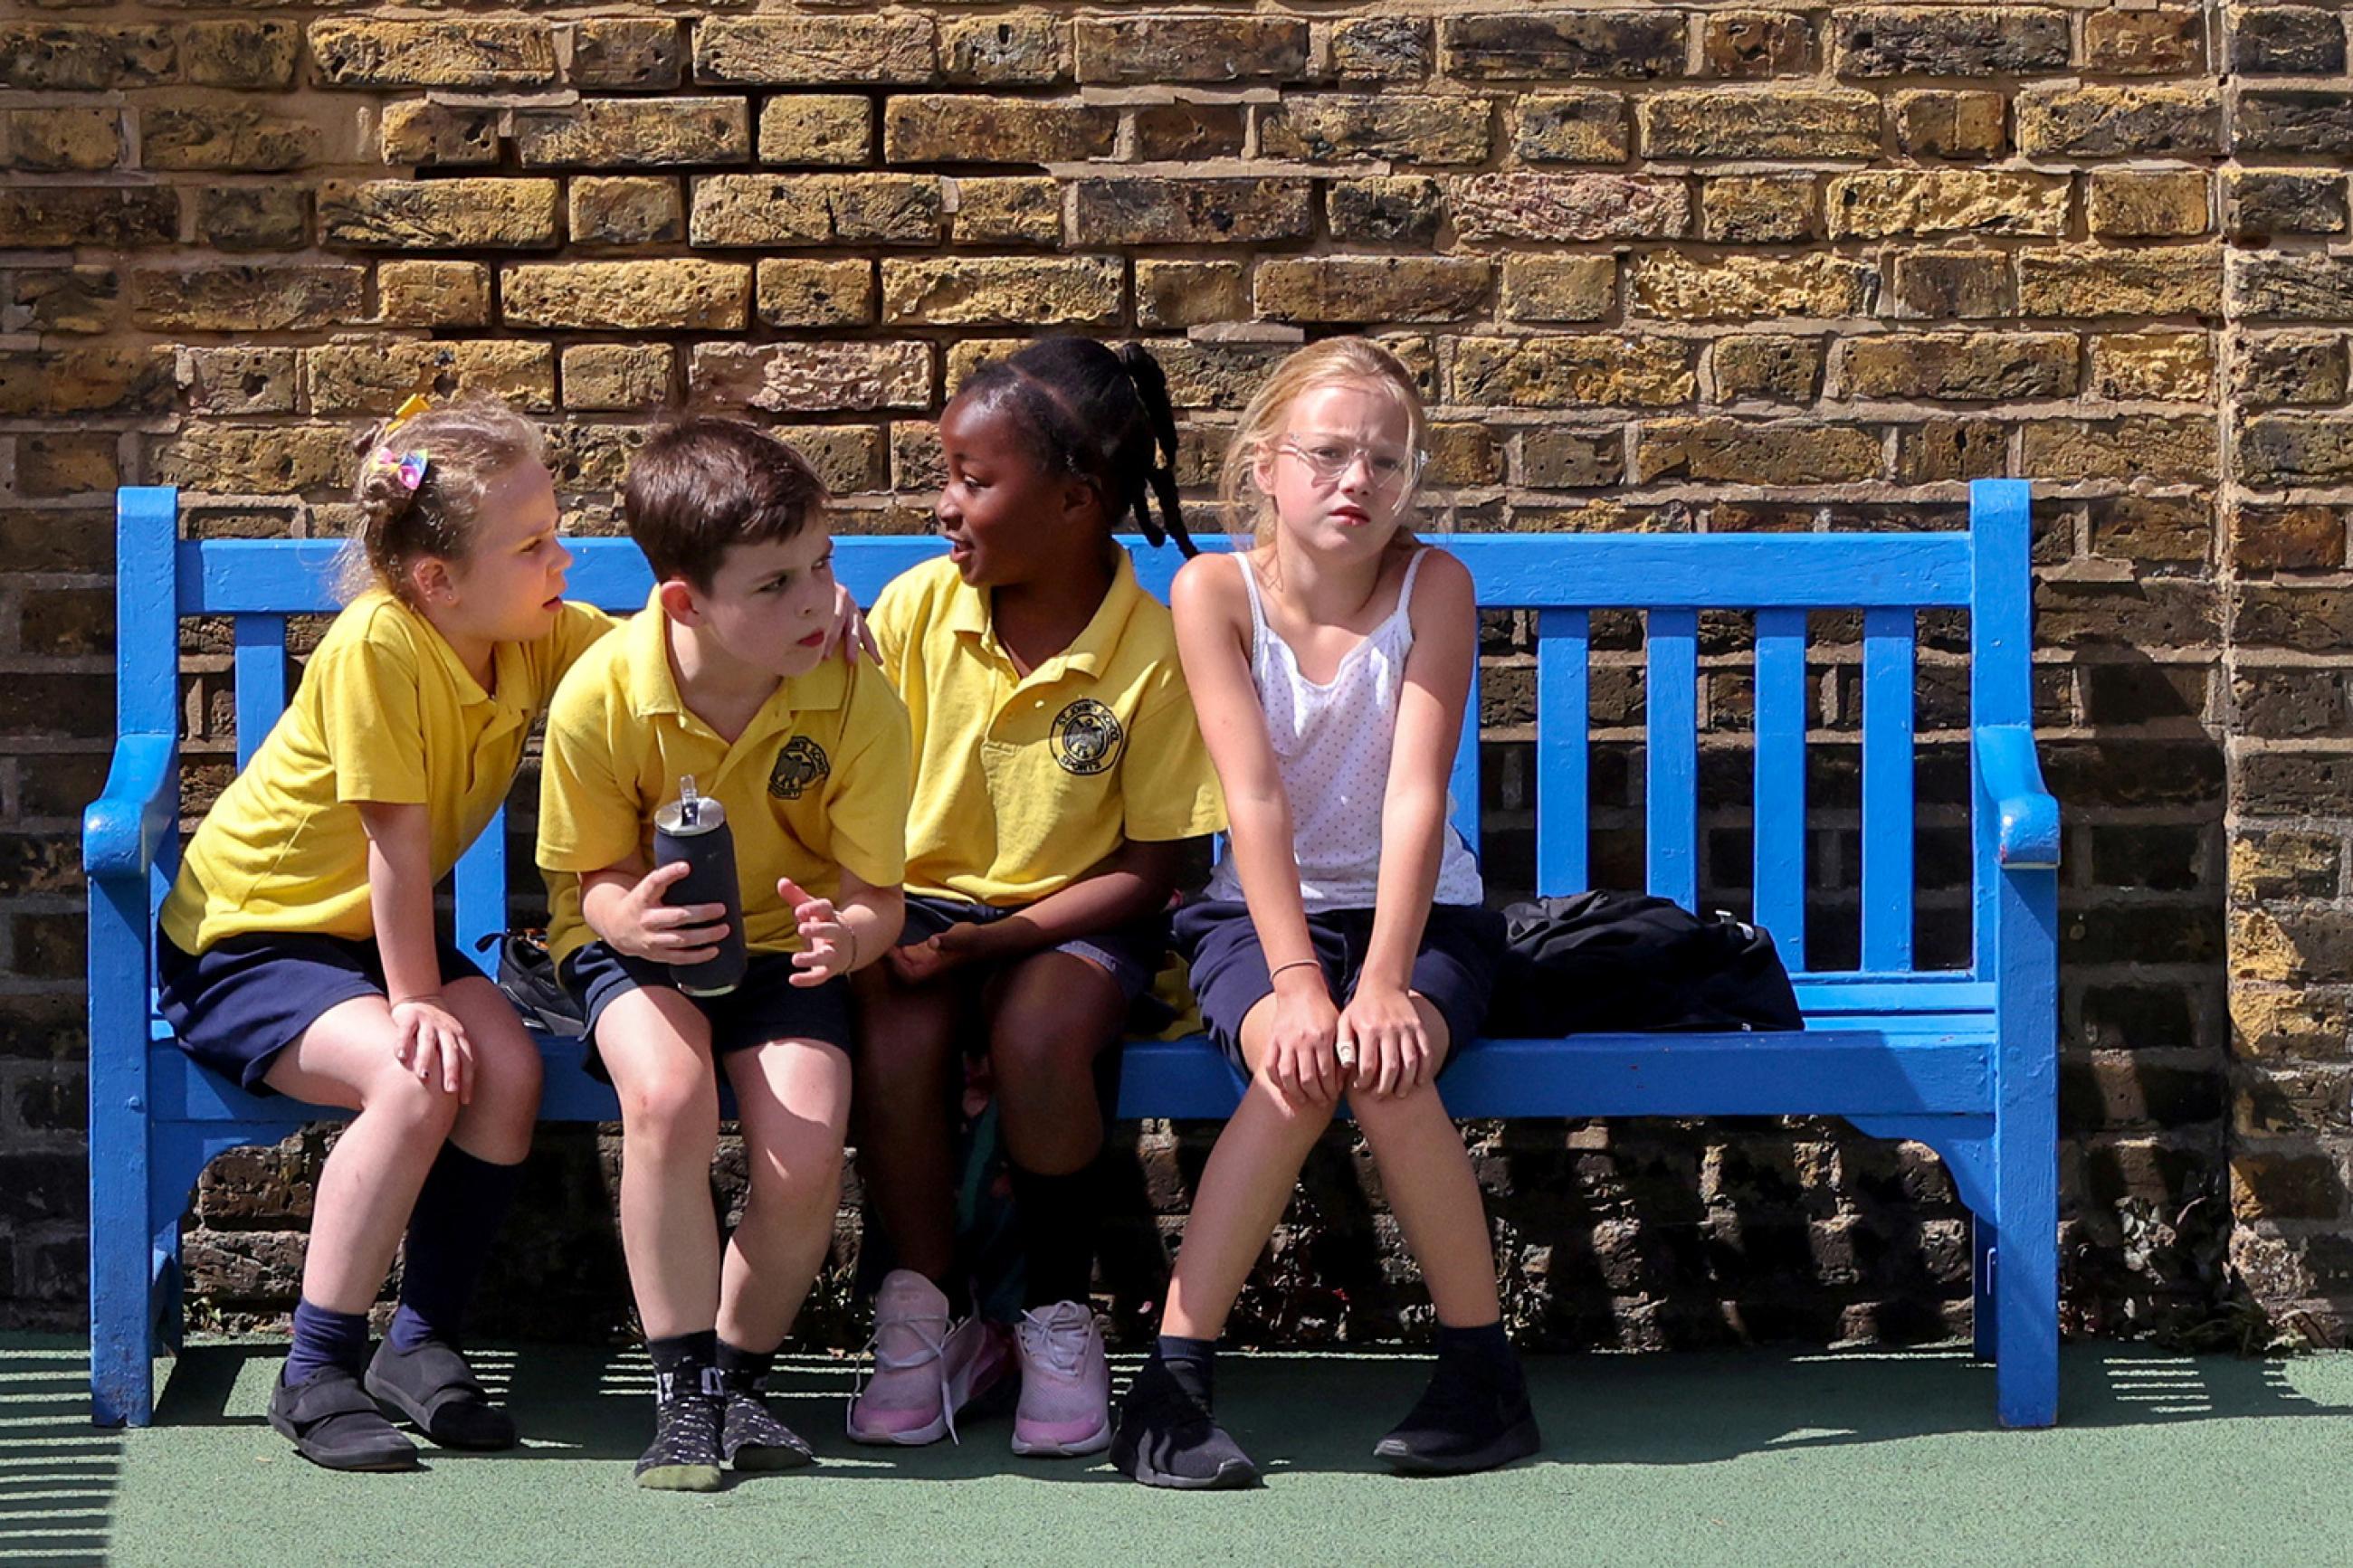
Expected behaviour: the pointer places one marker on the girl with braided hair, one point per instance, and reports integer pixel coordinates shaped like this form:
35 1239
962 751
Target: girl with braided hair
1059 776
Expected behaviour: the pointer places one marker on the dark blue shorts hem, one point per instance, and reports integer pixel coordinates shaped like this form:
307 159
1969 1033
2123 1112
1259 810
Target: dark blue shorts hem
764 1007
1462 947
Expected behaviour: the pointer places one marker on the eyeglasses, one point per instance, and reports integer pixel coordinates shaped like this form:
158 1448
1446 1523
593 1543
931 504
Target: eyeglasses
1329 459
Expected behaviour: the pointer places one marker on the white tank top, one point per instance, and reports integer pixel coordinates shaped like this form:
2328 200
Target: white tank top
1332 742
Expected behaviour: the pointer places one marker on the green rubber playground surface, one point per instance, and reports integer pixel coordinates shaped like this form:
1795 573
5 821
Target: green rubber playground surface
1748 1457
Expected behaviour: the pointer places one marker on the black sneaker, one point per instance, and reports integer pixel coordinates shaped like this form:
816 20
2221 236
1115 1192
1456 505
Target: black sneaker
685 1453
333 1424
1167 1438
754 1439
1469 1419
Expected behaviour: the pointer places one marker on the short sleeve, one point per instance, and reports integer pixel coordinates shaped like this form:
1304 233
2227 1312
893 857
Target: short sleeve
588 818
867 800
371 718
892 621
1167 780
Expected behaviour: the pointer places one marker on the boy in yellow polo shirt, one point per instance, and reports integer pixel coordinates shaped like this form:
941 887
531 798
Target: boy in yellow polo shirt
723 678
1059 775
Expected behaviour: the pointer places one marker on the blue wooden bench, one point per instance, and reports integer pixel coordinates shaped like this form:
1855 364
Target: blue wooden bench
1962 1060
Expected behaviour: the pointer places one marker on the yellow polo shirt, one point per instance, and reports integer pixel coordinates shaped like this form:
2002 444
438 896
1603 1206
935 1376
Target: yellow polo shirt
814 785
1023 783
385 712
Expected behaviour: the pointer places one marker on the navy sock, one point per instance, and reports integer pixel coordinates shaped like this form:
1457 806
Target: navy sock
1057 1219
324 1339
449 1234
741 1368
685 1363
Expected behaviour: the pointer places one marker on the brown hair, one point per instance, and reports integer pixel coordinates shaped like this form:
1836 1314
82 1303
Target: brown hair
702 485
462 446
1352 361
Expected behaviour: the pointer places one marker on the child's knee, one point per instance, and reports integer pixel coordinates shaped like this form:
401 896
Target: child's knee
798 1180
672 1110
421 1107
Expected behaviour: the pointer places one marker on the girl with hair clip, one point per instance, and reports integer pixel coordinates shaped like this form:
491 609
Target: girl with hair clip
1341 948
1059 774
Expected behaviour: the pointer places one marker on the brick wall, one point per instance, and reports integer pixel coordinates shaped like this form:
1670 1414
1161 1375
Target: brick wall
1666 265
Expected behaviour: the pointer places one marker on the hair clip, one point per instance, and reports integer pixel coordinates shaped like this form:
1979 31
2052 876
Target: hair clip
409 465
417 404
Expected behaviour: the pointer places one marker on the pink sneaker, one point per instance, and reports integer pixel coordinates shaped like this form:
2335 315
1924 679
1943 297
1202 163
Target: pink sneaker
926 1368
1065 1383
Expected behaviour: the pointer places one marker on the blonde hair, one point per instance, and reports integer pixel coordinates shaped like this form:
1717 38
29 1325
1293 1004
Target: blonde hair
1352 361
463 446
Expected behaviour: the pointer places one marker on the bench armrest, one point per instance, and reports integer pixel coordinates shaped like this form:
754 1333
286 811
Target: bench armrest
2026 814
122 827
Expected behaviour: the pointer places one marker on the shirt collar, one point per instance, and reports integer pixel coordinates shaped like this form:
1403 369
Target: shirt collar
968 615
509 669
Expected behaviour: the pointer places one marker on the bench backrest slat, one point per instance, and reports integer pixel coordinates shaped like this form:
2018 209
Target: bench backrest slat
1564 713
1670 780
481 881
260 680
1888 760
1778 875
1462 781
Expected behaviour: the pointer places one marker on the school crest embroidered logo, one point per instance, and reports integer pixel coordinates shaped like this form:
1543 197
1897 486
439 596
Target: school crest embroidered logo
800 764
1086 737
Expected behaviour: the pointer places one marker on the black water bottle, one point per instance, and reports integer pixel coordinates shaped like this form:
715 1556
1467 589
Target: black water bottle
693 829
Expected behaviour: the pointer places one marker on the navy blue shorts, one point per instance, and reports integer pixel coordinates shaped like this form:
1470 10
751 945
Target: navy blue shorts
238 1003
765 1006
1462 947
1131 955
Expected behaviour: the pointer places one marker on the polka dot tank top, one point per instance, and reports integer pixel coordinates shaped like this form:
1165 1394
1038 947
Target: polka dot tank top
1333 741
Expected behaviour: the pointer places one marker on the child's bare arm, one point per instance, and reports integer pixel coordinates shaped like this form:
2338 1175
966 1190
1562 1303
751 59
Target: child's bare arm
1384 1030
1212 617
432 1042
623 905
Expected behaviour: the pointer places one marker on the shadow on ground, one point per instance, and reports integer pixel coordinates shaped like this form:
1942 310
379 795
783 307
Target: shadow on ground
1322 1410
57 1472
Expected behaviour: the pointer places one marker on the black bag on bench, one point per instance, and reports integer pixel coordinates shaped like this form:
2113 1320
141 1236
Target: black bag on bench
1613 962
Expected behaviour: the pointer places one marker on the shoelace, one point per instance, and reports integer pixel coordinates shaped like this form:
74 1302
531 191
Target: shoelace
1059 1337
933 1350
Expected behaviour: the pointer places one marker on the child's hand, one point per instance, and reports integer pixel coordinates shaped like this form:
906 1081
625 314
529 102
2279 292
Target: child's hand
920 962
849 632
831 947
432 1044
1301 1063
1382 1038
645 926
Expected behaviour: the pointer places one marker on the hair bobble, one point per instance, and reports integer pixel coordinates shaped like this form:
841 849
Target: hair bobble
407 467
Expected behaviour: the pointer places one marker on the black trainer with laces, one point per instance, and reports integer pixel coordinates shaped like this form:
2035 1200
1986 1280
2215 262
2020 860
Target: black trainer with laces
1167 1438
685 1453
1471 1418
754 1439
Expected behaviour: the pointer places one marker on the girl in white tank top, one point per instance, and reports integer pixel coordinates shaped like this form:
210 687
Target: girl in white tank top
1339 950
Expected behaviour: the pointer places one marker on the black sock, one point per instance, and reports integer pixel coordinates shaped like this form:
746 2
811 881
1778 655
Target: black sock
324 1339
685 1363
1192 1362
449 1234
1057 1220
743 1369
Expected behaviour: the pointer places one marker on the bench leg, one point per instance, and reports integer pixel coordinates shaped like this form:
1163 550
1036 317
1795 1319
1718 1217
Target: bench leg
2026 1155
1984 1309
122 1321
